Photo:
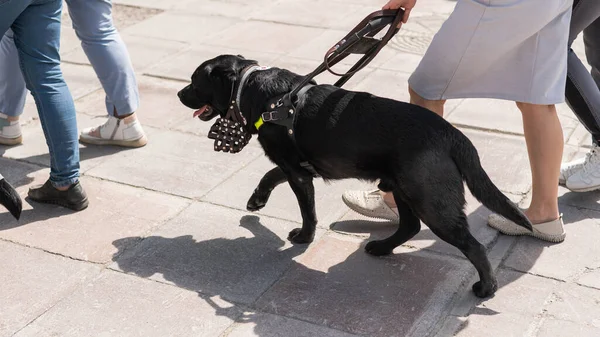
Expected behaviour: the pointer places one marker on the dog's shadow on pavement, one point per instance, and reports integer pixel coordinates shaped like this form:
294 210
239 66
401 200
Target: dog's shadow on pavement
258 275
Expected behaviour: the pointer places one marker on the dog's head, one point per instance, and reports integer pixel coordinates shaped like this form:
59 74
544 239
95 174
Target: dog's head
212 85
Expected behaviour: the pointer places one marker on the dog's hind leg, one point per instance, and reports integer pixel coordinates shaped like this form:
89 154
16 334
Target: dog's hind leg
455 231
408 227
267 184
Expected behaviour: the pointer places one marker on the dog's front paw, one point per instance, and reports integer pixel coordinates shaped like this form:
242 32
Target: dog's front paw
300 237
378 248
483 290
257 201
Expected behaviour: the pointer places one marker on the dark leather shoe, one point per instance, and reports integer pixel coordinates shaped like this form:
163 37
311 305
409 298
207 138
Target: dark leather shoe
74 198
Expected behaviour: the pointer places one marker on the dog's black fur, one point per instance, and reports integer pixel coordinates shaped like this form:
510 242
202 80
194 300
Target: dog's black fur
10 199
413 152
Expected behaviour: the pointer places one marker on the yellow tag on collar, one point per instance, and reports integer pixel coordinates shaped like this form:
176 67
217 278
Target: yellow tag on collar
259 123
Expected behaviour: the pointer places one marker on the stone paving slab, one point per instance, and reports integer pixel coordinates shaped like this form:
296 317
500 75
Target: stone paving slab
116 211
503 116
236 191
175 163
315 13
338 285
144 51
35 150
121 305
504 315
182 66
214 251
558 260
264 36
181 27
267 325
33 281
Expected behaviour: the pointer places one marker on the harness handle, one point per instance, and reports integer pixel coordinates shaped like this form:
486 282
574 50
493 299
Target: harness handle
359 40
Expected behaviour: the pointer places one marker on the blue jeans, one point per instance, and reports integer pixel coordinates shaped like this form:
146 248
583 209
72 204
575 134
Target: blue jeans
36 28
101 42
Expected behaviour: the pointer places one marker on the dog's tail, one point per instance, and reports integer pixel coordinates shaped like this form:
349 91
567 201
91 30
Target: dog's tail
10 199
466 158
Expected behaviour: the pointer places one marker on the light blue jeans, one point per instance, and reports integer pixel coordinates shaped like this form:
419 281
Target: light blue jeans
101 42
36 28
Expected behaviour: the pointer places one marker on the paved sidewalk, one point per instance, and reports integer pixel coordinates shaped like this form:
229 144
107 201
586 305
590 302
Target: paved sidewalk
167 249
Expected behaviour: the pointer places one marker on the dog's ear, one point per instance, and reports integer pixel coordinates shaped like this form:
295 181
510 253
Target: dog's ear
241 56
223 71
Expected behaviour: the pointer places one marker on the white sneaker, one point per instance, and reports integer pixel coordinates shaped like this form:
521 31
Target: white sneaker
588 177
126 132
10 132
552 231
572 167
371 204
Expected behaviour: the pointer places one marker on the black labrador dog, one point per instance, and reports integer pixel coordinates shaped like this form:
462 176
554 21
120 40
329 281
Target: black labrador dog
410 150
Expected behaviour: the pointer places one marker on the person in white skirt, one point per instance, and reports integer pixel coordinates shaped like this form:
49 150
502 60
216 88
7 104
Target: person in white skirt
502 49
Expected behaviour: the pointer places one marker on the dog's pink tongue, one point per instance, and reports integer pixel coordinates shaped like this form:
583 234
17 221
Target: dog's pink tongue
200 111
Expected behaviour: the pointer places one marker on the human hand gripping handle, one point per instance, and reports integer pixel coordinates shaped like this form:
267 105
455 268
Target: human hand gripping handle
407 5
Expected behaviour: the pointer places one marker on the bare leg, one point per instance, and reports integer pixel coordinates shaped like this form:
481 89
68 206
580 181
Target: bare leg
544 137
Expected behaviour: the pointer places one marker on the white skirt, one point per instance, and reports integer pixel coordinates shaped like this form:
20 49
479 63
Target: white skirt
505 49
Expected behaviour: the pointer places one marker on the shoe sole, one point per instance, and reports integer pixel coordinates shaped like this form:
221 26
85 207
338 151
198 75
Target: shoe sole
75 207
545 237
11 141
142 141
362 212
587 189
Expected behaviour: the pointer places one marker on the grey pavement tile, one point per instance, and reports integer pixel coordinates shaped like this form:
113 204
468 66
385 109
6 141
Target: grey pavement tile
559 328
181 27
477 214
80 79
558 260
160 4
182 66
236 191
175 163
115 211
121 305
504 158
159 105
513 311
267 325
264 36
35 150
314 13
336 284
591 277
500 115
33 282
214 251
231 8
143 51
580 137
575 304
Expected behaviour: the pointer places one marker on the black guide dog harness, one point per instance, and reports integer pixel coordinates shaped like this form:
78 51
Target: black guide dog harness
232 132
